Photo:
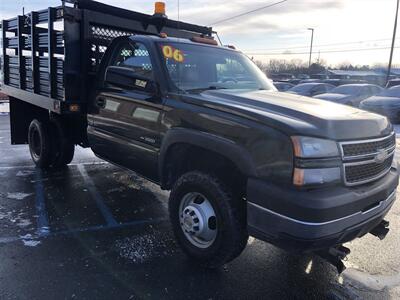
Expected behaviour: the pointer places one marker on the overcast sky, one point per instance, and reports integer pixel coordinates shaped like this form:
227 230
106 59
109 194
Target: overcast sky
342 27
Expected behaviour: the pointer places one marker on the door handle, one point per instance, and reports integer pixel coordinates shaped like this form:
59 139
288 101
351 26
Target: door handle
101 102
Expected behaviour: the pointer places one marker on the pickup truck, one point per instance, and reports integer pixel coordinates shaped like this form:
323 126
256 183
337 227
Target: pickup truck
164 99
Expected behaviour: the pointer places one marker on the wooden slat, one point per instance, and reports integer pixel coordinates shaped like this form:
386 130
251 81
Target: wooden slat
34 48
51 46
4 62
20 26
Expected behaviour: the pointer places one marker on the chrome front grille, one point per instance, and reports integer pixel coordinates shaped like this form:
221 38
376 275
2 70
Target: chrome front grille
367 160
351 149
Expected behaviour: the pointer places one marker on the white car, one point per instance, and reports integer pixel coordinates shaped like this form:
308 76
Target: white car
386 103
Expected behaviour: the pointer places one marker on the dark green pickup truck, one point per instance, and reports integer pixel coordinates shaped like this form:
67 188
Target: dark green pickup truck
201 120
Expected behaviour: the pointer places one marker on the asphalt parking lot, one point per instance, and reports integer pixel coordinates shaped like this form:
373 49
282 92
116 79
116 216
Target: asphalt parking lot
95 231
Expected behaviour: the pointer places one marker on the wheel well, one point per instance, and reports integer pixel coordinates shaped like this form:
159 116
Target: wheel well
22 113
182 158
21 116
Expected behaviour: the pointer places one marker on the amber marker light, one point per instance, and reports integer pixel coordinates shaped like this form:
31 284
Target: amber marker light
74 108
296 146
298 177
159 8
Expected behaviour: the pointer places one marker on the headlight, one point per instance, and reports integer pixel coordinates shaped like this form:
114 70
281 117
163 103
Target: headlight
309 147
315 148
302 177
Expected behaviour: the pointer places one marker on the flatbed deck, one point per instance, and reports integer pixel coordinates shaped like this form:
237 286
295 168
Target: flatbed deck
51 56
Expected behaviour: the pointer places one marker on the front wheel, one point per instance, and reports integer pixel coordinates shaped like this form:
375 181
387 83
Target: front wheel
208 219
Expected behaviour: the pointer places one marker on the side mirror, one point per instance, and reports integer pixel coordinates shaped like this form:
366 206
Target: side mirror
128 78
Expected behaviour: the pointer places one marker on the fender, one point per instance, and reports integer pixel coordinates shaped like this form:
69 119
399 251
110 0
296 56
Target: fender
225 147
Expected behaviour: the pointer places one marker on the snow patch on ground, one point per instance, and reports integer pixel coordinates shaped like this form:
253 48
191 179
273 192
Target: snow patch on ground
24 223
16 218
371 281
140 249
24 173
18 196
29 241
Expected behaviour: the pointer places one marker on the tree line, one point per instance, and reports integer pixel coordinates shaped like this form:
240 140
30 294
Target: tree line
298 66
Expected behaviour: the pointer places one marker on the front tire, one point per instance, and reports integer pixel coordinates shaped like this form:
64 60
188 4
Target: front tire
208 219
39 143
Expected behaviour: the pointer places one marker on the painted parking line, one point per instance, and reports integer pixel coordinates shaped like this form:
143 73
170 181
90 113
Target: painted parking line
71 165
42 220
109 218
6 240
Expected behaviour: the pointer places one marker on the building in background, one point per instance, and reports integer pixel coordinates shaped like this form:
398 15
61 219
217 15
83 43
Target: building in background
370 76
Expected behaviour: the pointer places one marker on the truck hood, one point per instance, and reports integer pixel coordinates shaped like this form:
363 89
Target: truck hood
295 114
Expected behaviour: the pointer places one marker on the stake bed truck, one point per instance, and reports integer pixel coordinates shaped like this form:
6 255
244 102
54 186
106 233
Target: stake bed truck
162 98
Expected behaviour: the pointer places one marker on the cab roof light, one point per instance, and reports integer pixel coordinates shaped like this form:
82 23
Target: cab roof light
230 47
204 40
159 8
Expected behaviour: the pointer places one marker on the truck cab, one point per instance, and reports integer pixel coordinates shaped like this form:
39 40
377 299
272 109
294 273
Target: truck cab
308 171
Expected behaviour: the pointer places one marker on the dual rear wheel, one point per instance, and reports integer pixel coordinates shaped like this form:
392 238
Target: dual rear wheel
49 145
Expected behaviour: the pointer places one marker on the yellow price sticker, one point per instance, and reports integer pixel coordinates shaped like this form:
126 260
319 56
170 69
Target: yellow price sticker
175 54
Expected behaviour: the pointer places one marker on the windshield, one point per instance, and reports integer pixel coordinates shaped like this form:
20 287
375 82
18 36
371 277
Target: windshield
392 92
347 90
196 68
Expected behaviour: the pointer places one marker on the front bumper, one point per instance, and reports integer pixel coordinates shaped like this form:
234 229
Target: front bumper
302 220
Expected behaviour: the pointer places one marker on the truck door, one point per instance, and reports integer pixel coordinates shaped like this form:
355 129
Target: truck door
126 128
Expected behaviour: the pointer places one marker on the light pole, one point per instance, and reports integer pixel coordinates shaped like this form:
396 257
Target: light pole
312 39
393 40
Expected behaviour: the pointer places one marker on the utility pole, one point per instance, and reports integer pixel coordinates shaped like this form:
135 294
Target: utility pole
312 39
393 40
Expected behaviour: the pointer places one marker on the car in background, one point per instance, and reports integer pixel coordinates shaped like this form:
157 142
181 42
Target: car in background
393 82
311 89
283 86
281 76
338 82
309 80
303 76
351 94
386 103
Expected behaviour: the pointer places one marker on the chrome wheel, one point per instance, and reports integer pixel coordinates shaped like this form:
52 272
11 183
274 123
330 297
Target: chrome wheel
198 220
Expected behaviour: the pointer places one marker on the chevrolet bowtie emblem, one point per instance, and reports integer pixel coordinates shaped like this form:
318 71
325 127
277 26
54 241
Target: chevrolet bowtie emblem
380 156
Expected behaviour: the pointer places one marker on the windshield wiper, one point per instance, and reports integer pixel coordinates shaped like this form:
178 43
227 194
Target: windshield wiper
199 90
